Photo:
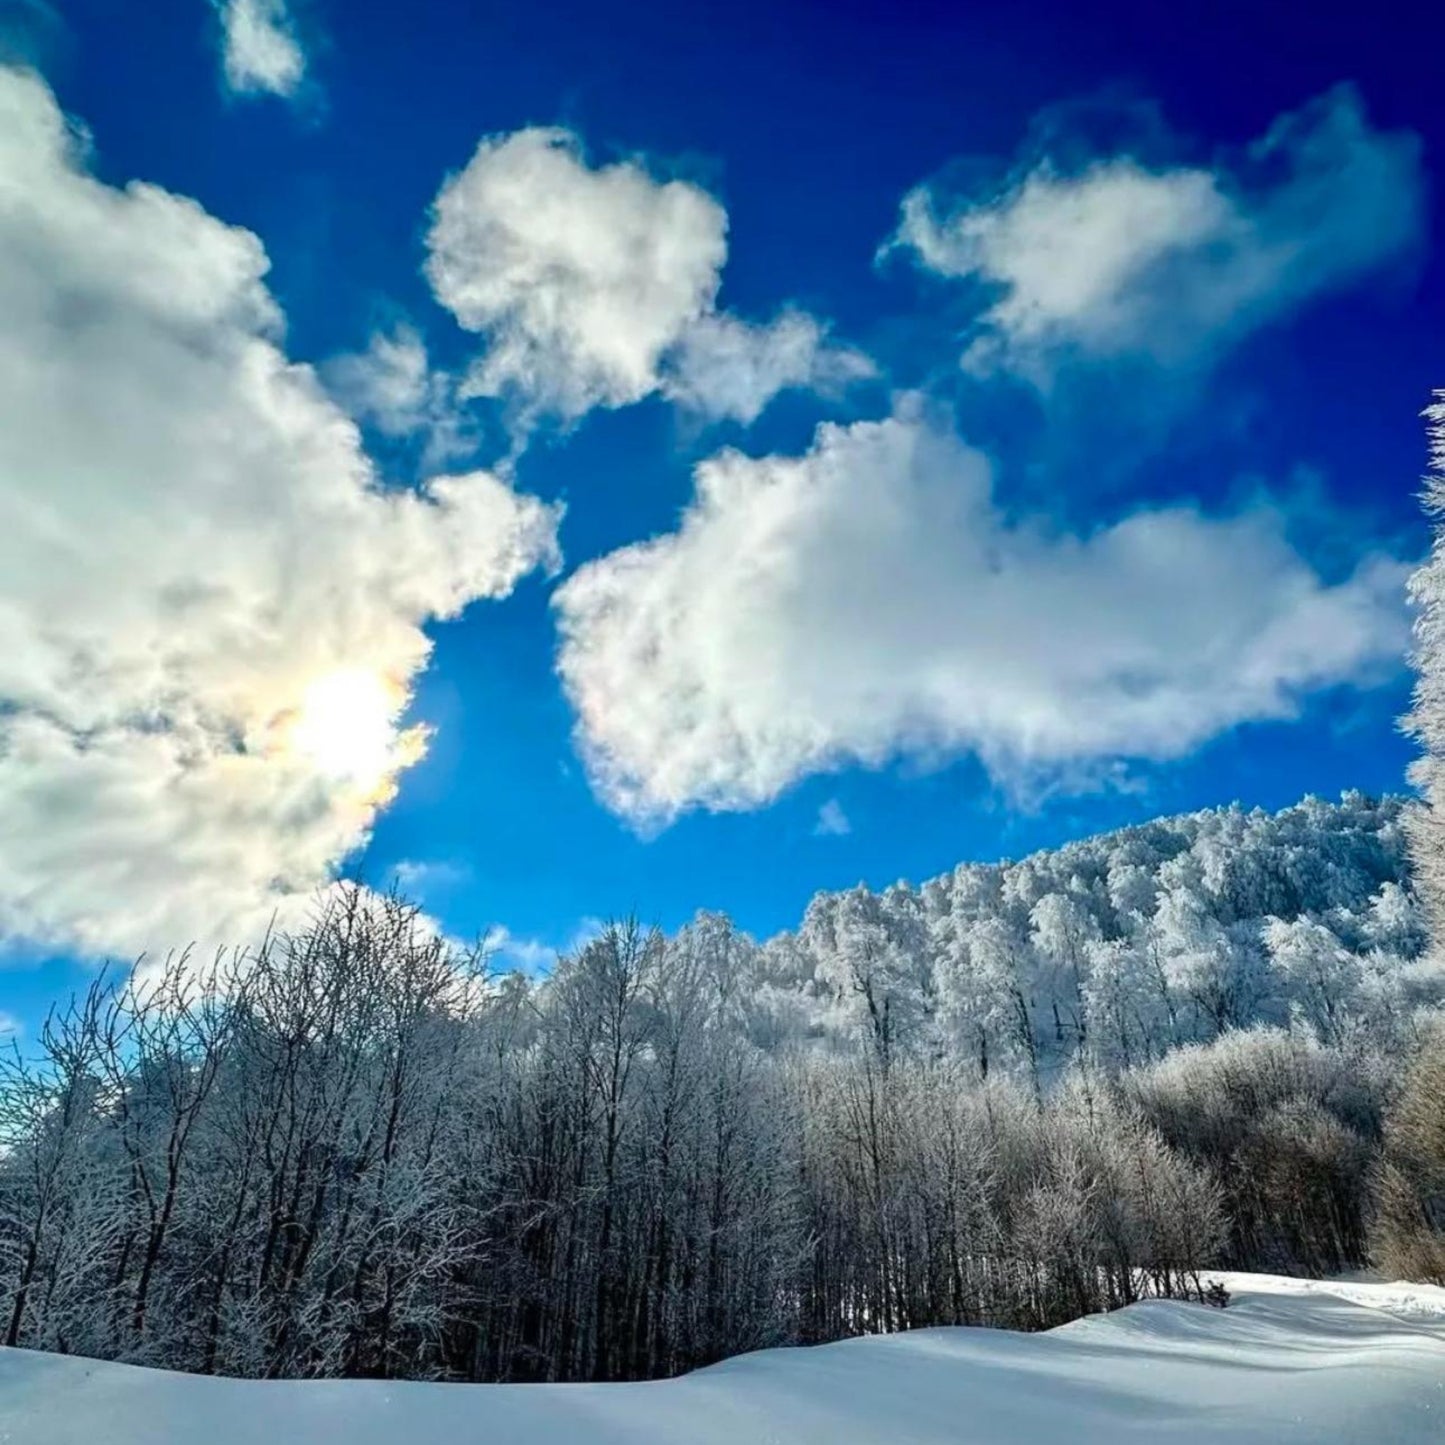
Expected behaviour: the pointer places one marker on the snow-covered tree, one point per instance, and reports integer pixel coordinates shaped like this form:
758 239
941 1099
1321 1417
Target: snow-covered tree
1426 720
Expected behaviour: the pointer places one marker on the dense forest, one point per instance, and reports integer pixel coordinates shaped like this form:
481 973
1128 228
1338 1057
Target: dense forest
1014 1095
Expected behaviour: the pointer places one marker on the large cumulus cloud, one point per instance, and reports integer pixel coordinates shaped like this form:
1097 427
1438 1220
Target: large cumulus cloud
191 541
867 600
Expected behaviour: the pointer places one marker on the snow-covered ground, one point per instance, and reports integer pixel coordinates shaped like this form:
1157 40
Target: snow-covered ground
1287 1363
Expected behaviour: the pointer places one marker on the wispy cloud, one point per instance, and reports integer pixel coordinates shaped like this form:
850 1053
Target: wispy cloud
418 879
1122 258
261 52
393 387
536 956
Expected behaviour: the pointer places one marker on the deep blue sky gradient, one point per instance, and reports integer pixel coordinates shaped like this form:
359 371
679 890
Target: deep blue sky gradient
810 121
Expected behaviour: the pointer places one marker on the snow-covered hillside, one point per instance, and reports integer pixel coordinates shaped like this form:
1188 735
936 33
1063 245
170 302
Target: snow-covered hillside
1288 1363
1017 1095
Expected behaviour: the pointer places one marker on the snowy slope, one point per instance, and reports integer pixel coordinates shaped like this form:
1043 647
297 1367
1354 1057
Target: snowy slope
1288 1363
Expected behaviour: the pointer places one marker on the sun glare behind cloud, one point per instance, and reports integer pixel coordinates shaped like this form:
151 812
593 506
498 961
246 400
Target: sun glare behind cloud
347 726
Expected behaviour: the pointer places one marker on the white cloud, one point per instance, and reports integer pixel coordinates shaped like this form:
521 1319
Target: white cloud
212 613
832 821
10 1027
260 50
534 956
389 384
393 387
1172 264
417 878
597 287
867 600
581 278
725 367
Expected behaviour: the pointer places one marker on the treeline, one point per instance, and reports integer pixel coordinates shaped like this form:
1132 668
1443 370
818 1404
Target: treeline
1015 1096
359 1156
1116 950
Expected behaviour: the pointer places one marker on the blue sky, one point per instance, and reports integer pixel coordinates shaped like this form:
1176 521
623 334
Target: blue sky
1128 290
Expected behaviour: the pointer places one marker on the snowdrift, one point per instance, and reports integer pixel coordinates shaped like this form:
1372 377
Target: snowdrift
1287 1363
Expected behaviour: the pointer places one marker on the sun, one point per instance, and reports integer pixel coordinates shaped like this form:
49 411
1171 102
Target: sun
346 726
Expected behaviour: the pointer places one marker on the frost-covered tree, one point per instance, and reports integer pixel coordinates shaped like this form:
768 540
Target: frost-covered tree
1410 1229
1396 922
870 951
1288 1126
1409 1232
1426 720
1322 978
1064 927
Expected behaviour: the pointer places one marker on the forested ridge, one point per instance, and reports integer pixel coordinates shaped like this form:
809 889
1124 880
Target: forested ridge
1119 948
1013 1095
